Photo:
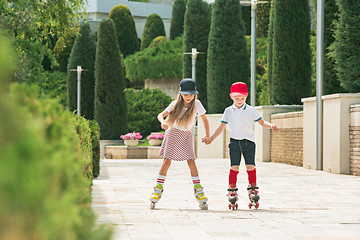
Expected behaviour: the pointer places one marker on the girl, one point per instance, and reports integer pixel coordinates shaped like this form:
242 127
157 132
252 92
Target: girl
177 144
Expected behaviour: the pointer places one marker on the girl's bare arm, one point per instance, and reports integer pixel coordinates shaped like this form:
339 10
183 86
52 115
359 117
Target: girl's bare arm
161 117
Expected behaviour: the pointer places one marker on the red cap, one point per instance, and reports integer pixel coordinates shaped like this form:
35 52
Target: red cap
239 89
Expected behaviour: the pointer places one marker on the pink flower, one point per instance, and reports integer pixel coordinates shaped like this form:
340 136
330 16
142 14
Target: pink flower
130 136
156 136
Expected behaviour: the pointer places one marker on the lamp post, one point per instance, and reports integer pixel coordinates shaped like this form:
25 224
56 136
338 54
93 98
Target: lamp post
79 70
194 54
319 82
253 4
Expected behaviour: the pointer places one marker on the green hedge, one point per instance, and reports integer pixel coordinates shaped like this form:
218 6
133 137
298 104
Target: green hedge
143 108
44 173
159 61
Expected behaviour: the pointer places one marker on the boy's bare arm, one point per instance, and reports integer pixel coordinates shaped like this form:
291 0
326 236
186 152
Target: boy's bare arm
266 124
217 132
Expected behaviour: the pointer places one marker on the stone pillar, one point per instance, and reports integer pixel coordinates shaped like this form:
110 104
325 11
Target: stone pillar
309 132
262 135
216 148
336 138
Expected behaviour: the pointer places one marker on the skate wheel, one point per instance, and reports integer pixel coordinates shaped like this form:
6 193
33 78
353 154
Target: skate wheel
236 206
229 206
152 205
250 205
204 206
257 205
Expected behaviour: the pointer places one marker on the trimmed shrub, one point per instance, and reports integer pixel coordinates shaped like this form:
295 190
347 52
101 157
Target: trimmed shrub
125 29
228 58
110 101
144 106
161 60
43 178
262 19
291 64
346 48
153 28
196 35
82 54
54 85
177 19
95 140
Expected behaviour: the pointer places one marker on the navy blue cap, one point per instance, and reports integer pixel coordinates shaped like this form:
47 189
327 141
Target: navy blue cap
188 86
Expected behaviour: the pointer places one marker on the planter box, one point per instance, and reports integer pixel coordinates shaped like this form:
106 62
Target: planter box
126 152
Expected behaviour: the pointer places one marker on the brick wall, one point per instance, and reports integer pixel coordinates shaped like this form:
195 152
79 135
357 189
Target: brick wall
287 144
355 140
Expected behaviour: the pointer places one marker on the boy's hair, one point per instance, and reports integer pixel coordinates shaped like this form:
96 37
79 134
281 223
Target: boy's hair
174 114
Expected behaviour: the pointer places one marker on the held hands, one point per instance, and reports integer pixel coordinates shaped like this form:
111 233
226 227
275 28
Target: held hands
206 140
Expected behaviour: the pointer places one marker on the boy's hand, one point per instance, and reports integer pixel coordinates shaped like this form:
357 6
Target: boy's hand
274 127
164 126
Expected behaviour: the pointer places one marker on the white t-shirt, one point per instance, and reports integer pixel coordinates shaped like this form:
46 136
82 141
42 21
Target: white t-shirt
199 110
241 121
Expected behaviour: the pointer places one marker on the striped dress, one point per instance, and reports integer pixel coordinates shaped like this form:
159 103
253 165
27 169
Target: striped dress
178 142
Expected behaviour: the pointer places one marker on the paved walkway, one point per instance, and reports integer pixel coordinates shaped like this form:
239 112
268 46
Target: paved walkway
296 203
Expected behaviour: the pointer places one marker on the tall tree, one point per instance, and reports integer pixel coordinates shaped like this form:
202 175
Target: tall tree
196 35
110 101
153 28
32 25
346 49
177 19
270 48
331 81
82 54
291 71
125 29
228 58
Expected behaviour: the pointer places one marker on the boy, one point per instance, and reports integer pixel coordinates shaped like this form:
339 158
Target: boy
240 117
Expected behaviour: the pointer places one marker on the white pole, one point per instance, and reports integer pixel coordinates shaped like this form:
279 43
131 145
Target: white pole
78 90
193 63
253 54
319 83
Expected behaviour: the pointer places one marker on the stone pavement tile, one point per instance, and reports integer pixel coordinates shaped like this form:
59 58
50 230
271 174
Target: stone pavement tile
296 203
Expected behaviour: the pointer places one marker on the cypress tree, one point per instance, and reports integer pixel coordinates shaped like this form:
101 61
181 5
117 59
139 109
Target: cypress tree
110 101
347 45
196 35
262 19
82 54
246 17
177 19
125 29
228 58
331 81
291 72
270 48
153 28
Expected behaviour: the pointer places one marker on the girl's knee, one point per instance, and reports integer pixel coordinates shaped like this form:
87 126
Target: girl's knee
191 162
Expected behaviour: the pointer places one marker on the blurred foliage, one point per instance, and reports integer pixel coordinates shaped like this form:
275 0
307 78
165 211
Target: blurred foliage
143 108
45 174
154 27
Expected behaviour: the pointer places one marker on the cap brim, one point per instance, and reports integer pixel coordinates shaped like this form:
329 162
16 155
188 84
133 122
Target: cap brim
237 94
188 92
